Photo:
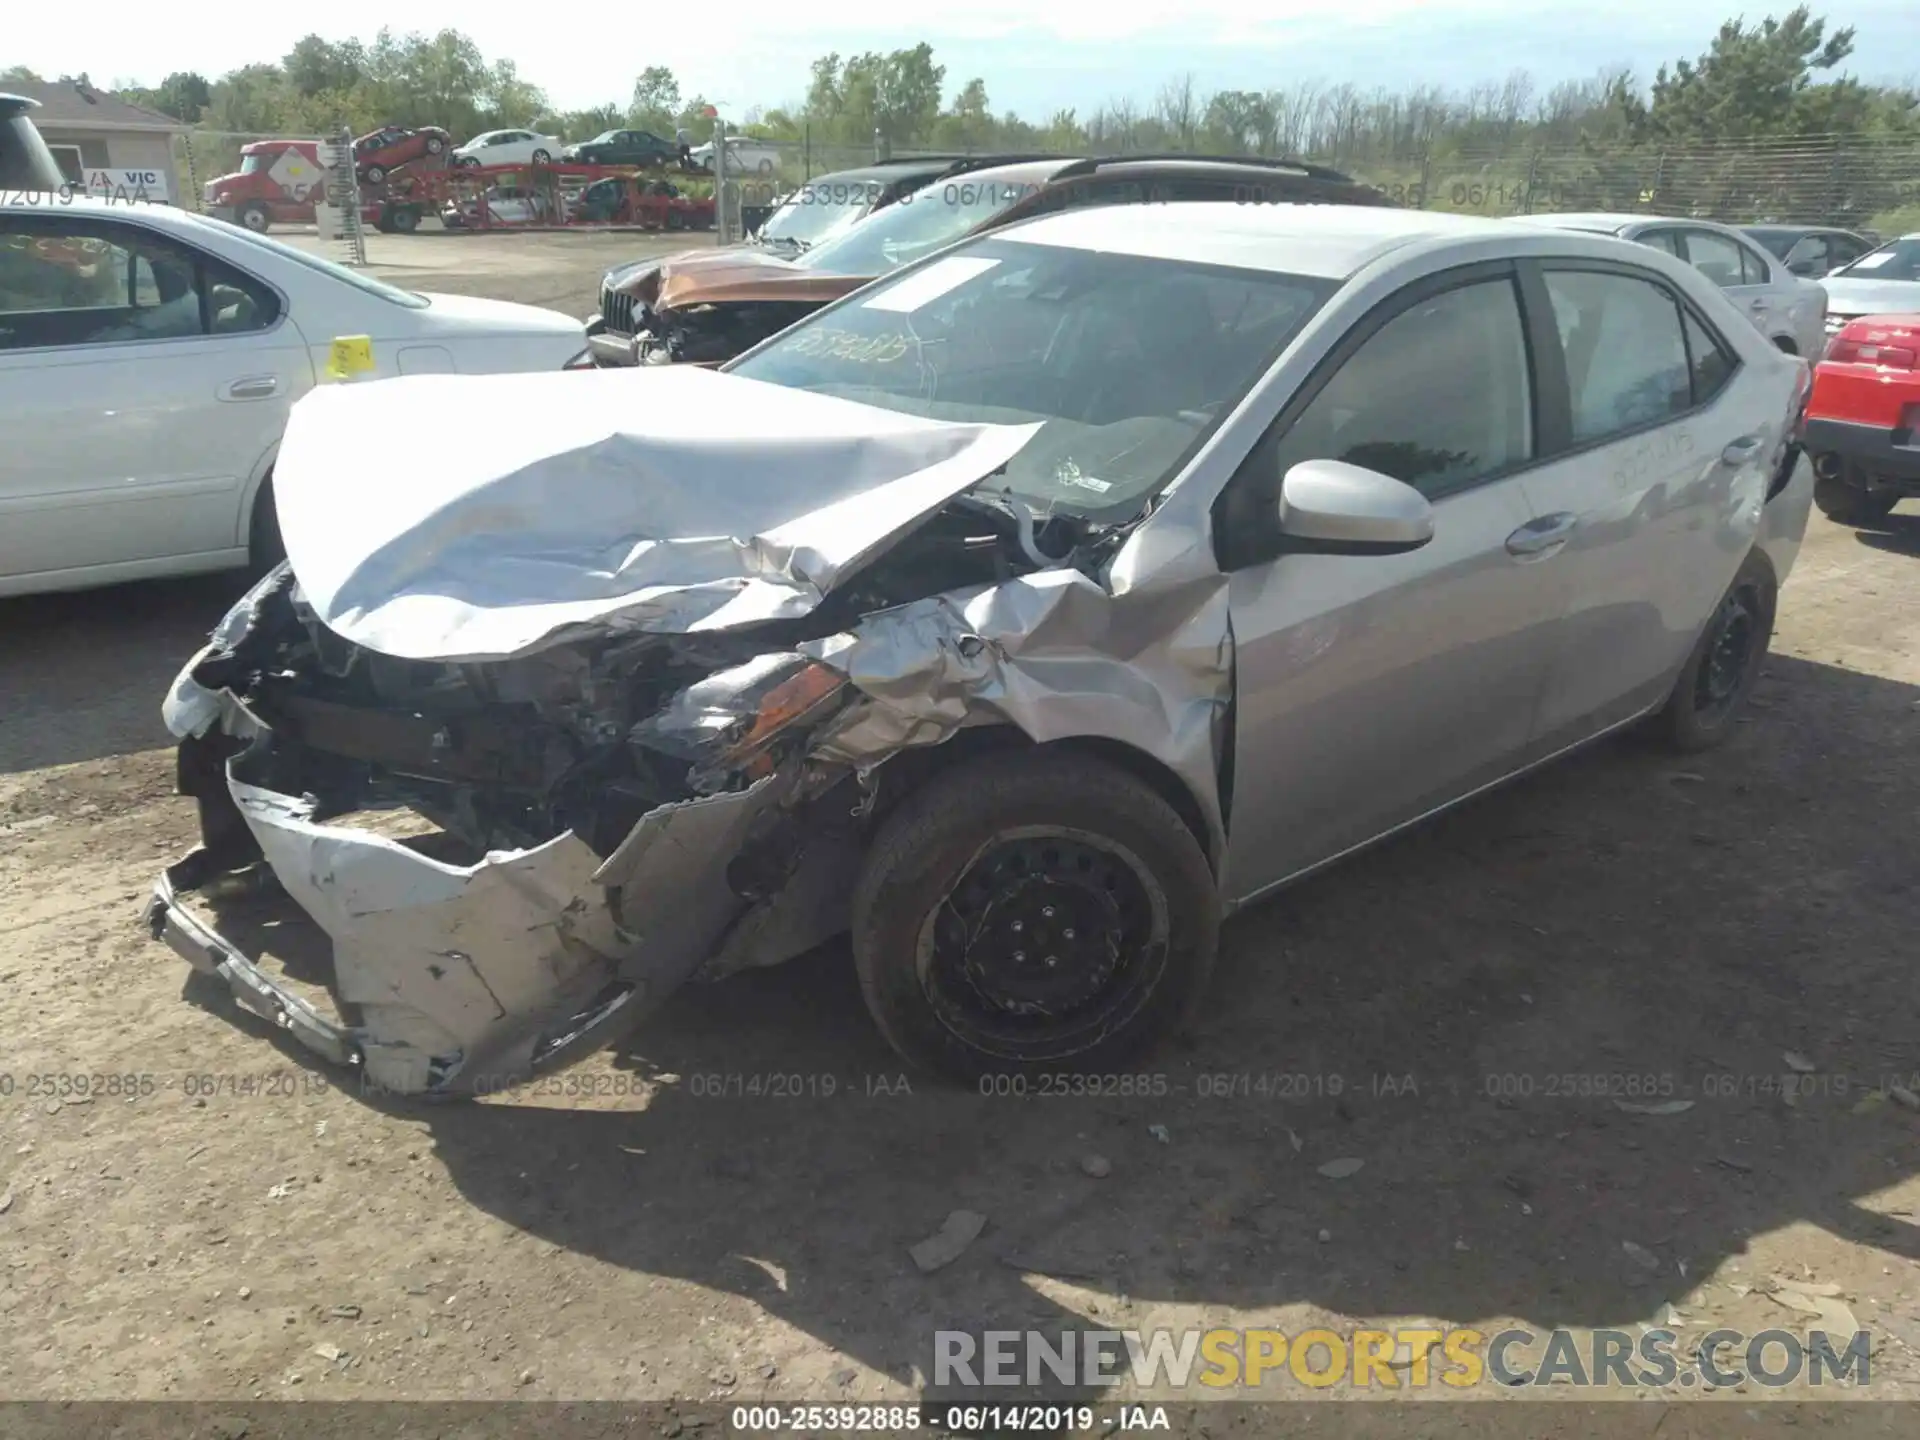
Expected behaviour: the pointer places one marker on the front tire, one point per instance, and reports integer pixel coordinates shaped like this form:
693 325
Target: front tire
541 157
1707 700
376 174
1846 503
256 218
1040 910
435 145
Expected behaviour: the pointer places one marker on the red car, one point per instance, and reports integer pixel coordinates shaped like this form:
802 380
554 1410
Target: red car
1863 420
396 145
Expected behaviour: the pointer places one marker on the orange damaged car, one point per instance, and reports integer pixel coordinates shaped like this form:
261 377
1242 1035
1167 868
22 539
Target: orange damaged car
704 307
1863 421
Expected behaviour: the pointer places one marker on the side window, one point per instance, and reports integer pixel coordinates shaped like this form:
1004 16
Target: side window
1439 396
1754 269
1809 256
1708 360
1845 250
1626 355
1665 241
67 284
1716 257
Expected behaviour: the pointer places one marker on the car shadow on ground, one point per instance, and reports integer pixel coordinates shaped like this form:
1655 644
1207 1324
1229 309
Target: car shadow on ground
1898 534
83 674
1482 1011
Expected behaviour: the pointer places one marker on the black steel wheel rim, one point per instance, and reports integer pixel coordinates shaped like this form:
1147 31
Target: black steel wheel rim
1732 643
1050 939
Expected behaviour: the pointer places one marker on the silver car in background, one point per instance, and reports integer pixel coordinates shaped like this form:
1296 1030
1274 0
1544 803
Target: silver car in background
1047 601
1788 310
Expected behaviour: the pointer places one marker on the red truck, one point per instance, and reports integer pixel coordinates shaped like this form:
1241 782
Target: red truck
279 182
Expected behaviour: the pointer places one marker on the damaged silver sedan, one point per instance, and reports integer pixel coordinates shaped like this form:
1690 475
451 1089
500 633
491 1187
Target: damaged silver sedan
1021 615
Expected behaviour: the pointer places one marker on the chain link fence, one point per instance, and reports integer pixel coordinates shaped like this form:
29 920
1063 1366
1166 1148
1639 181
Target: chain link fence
1859 183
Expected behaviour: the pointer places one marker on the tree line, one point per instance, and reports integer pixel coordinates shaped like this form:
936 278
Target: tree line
1777 78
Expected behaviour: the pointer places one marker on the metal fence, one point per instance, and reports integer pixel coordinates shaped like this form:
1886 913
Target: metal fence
1857 182
1852 181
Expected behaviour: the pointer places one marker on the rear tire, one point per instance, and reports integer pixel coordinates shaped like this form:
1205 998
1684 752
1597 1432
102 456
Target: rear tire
965 918
1846 503
435 145
404 220
541 157
1711 692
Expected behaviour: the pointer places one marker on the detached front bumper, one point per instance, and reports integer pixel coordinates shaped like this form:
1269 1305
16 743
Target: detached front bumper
451 979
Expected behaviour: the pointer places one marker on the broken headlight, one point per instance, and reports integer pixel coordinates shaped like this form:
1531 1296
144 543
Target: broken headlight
730 721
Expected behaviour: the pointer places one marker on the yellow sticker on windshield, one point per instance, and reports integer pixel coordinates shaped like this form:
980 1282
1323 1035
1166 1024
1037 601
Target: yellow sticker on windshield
352 355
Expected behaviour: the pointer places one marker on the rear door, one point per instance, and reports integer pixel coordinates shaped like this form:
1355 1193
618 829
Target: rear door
1744 273
1650 454
141 387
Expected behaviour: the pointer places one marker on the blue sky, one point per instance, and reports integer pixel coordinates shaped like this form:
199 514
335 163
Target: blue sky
1080 55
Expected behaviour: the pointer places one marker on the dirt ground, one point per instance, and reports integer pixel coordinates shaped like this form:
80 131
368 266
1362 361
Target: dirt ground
223 1219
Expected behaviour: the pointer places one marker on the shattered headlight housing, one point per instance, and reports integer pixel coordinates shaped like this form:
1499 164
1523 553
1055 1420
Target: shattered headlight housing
729 723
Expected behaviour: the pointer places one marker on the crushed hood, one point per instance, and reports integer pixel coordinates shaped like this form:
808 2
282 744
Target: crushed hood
472 518
729 277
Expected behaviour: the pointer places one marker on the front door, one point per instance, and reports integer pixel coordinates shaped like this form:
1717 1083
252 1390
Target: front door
142 382
1372 689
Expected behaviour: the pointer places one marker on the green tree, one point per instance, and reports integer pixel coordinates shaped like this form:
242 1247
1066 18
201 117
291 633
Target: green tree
656 99
314 65
1753 81
184 95
19 75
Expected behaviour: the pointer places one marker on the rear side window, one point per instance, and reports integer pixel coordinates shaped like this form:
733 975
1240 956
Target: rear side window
1753 267
1625 348
68 280
1718 258
1667 242
1709 362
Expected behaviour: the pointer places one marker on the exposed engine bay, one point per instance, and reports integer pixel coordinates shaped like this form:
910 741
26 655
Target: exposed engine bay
709 334
555 775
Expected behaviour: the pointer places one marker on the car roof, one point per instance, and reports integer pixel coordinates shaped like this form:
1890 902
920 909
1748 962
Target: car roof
1329 241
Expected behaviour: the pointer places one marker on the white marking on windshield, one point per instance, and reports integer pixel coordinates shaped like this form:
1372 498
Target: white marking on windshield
925 286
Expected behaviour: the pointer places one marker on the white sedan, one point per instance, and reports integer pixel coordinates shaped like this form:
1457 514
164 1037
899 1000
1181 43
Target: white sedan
744 157
148 360
509 147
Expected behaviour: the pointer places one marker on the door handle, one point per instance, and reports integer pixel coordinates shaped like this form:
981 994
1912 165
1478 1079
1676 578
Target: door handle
1740 451
1542 536
254 387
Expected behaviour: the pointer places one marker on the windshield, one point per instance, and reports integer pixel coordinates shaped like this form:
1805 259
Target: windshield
256 162
1127 362
392 294
914 226
25 161
605 137
1777 242
1896 260
818 209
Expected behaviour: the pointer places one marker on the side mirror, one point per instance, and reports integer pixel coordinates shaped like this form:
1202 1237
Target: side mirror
1341 509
